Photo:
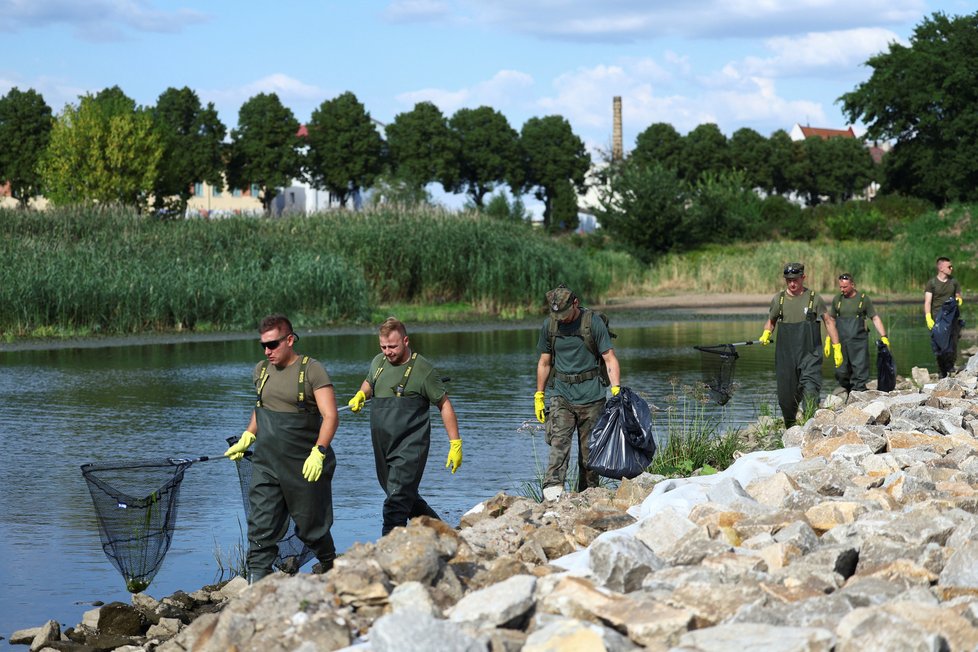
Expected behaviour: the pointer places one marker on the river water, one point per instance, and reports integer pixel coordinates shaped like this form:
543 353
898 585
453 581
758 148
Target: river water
112 402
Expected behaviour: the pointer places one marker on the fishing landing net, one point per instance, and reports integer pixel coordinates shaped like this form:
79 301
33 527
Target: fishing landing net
717 364
136 528
292 552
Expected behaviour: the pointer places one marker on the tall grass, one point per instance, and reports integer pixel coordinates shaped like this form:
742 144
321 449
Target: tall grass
109 270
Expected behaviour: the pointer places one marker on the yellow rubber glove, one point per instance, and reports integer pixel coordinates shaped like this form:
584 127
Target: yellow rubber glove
615 389
237 451
454 455
930 322
356 403
837 354
539 407
765 337
312 468
828 346
885 341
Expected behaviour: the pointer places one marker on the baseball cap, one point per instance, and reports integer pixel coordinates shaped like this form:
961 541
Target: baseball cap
561 301
794 270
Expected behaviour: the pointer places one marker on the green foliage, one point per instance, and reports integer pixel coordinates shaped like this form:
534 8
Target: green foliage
785 219
705 149
854 221
556 164
264 147
696 442
722 209
192 138
642 207
344 148
106 150
420 145
501 208
900 208
25 129
922 96
486 153
659 143
750 154
132 274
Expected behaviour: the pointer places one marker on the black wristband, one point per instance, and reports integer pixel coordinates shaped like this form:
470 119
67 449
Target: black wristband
322 449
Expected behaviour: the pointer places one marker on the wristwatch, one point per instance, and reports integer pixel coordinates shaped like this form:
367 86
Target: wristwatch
321 449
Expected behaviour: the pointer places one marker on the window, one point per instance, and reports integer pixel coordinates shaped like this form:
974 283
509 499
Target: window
216 191
198 190
255 190
236 192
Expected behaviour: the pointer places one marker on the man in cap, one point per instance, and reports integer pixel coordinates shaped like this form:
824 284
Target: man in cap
798 355
850 309
576 363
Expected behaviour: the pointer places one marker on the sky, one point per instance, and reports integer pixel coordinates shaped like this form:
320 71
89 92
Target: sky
763 64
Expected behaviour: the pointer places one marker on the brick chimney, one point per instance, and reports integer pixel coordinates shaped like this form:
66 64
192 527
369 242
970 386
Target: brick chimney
617 153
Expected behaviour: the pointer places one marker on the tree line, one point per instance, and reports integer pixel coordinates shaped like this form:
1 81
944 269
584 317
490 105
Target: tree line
919 97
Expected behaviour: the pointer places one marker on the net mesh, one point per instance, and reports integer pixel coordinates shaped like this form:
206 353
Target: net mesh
717 363
292 552
136 528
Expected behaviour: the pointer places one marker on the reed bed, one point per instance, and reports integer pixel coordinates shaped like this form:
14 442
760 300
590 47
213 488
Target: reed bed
90 270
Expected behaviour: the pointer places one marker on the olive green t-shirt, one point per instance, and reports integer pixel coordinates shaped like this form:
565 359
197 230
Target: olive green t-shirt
941 291
796 308
422 381
850 306
571 356
280 392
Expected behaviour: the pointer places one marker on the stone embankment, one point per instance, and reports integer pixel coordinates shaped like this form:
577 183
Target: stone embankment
861 534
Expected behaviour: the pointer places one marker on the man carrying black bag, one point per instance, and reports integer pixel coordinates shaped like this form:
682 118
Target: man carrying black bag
621 444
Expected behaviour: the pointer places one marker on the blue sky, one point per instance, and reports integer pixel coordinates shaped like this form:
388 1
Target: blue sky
764 64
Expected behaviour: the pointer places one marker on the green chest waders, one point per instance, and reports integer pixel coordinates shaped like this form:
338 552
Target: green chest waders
400 428
278 489
853 373
798 366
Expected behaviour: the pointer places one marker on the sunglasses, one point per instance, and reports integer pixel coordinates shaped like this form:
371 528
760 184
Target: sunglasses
845 277
793 270
272 344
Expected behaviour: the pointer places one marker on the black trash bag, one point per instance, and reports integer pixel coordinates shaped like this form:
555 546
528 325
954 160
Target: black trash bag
621 444
947 328
885 368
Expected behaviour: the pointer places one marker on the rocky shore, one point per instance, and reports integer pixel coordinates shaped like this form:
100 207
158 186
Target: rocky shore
860 534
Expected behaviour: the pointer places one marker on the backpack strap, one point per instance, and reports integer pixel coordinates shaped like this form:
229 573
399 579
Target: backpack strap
586 333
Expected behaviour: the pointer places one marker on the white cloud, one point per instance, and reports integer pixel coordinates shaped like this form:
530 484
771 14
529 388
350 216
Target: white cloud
497 92
824 52
96 20
634 20
297 95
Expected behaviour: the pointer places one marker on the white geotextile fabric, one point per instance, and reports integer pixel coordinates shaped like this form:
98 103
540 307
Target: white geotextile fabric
681 494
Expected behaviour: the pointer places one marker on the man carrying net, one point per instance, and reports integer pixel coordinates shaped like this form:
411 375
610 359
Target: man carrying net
292 426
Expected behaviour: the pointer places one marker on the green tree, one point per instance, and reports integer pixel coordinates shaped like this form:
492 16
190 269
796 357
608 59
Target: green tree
556 163
781 150
642 207
723 208
192 137
420 146
659 143
751 154
705 149
923 97
264 147
344 150
486 153
106 150
25 129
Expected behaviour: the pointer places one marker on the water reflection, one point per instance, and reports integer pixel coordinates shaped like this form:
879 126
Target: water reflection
65 407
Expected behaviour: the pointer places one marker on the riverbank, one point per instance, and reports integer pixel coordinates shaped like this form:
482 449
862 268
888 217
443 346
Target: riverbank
859 534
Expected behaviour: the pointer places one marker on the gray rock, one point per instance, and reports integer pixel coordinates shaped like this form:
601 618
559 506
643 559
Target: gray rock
501 605
759 638
559 633
872 628
621 562
412 631
413 596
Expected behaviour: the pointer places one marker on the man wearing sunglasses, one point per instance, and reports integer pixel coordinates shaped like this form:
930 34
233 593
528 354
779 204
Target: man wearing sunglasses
292 426
851 309
942 303
798 355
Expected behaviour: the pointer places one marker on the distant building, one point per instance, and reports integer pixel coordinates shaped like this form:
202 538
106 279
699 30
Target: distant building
801 133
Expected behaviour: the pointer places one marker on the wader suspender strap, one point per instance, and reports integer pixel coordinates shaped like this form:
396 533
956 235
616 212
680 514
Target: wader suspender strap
300 402
837 306
811 304
399 390
585 334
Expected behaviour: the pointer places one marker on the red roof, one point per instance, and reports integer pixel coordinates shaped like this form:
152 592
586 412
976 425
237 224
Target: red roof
825 134
303 132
